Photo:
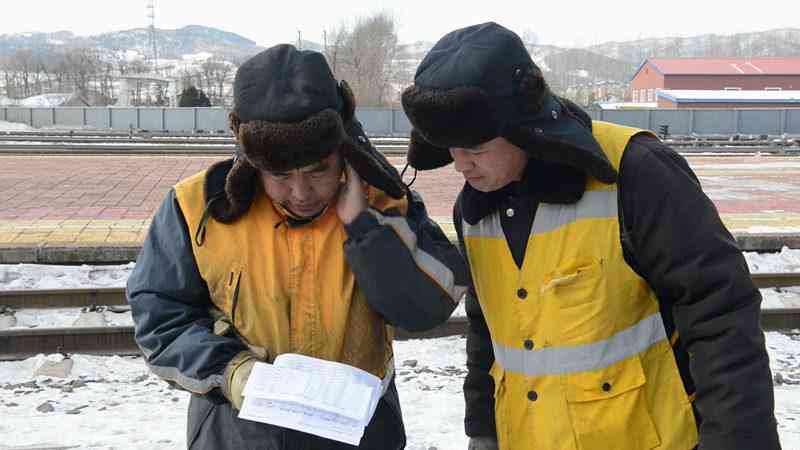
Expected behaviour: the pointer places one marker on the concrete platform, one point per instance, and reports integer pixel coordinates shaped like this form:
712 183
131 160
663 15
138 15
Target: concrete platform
97 209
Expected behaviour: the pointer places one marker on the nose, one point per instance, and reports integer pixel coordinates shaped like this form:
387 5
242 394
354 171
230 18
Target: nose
302 190
461 158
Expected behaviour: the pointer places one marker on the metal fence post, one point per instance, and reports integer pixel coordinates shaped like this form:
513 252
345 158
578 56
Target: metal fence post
737 125
30 117
110 119
782 122
83 122
691 121
53 115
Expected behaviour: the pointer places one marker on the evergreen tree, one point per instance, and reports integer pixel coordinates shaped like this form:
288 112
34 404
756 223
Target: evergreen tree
192 97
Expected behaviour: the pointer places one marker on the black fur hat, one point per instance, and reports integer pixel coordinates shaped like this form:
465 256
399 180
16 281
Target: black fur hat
479 83
290 112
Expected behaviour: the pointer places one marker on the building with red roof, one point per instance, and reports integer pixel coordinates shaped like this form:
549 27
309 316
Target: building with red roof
714 74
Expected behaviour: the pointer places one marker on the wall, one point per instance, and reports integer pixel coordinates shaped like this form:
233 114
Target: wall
393 122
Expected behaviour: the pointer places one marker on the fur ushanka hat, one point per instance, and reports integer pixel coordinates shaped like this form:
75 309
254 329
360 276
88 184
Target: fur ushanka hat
479 83
290 112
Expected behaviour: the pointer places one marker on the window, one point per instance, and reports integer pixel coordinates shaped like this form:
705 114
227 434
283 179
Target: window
635 96
650 95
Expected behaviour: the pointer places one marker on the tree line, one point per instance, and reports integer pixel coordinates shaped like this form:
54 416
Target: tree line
364 51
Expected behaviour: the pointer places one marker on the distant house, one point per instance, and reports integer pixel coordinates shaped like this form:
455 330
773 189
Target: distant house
683 99
715 74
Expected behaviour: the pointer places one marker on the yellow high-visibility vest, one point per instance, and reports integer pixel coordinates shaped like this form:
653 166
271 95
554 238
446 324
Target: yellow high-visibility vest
582 361
289 289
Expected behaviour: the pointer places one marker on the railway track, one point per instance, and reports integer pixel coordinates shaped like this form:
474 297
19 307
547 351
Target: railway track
98 143
23 343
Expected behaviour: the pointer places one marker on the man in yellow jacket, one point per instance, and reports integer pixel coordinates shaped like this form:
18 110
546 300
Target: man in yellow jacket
307 241
610 309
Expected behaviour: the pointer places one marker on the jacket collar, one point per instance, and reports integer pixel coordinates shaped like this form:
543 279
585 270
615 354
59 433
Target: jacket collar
542 182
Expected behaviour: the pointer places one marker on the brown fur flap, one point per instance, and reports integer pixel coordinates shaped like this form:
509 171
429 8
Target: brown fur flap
425 156
459 117
284 146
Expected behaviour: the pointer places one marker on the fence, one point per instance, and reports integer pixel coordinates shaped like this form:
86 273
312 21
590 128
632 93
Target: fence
393 122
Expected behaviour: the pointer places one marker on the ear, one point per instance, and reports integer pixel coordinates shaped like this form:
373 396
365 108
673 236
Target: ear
349 108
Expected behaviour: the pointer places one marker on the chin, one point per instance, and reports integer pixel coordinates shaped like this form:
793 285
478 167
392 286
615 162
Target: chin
478 186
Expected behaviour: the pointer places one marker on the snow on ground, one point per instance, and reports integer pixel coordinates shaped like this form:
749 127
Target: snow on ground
787 260
12 126
107 401
45 100
37 276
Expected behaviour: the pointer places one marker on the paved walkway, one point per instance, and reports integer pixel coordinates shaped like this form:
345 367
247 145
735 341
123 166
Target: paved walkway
107 201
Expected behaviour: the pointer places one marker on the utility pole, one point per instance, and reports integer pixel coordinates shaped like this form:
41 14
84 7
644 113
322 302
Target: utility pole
299 40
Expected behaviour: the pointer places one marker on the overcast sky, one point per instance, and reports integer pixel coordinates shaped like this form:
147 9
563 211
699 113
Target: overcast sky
572 23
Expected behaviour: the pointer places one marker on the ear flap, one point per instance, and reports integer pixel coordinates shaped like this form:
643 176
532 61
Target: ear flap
369 163
240 187
533 90
233 122
586 155
349 100
423 155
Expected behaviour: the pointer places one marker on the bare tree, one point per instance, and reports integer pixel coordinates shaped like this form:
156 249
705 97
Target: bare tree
24 65
364 54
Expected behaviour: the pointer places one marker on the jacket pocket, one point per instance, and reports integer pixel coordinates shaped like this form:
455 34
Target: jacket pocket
574 284
608 408
577 295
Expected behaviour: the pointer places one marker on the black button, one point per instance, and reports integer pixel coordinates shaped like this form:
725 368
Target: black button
532 396
522 293
529 344
606 387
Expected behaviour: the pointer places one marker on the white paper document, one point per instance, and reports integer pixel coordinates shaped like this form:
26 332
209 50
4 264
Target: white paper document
325 398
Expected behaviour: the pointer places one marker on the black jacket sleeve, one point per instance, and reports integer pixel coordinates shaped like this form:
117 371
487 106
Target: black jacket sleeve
407 268
170 307
693 264
479 419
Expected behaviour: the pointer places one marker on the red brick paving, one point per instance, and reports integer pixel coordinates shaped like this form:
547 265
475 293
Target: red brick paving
132 187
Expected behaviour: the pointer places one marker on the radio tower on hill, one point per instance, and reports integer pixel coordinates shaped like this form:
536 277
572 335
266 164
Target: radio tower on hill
152 48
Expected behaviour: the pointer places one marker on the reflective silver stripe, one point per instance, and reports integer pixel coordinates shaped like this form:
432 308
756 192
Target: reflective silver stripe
550 216
194 385
580 358
387 378
593 205
488 227
439 272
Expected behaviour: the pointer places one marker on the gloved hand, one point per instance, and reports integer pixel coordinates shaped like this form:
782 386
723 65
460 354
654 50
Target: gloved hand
235 377
482 443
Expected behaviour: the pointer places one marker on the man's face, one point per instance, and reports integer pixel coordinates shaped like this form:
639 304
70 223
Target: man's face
306 191
491 165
